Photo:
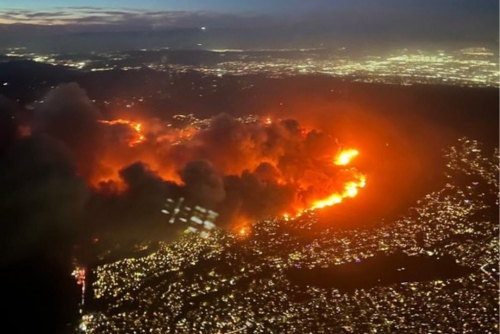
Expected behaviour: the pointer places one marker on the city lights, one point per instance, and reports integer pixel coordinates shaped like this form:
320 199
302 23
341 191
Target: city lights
254 286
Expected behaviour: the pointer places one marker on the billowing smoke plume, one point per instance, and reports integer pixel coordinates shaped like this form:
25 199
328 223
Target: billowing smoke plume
42 201
202 184
242 168
69 116
40 193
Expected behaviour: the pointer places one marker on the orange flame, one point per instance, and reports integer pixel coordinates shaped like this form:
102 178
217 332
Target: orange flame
137 127
350 190
345 157
241 227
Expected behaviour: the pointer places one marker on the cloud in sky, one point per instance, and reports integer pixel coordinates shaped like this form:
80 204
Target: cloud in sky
444 20
129 18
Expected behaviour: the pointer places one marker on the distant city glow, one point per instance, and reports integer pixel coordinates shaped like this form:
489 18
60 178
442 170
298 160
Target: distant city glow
465 67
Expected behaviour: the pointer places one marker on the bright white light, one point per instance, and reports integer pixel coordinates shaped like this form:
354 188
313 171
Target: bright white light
83 327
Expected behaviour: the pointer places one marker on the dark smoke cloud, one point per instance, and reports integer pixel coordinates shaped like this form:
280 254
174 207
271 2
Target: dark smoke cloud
202 184
135 212
242 170
257 194
40 193
68 115
41 206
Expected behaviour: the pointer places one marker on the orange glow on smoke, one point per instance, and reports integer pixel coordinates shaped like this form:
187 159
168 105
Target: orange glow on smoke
345 157
318 188
137 127
130 150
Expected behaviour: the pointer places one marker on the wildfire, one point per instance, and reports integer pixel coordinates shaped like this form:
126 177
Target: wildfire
345 157
350 190
328 194
241 229
137 127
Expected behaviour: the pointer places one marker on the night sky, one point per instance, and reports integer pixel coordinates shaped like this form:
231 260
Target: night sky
257 23
175 12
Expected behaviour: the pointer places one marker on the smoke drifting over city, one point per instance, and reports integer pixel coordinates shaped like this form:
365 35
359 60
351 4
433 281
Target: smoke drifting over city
117 174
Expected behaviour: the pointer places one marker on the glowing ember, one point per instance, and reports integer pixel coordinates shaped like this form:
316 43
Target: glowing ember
345 157
137 127
24 130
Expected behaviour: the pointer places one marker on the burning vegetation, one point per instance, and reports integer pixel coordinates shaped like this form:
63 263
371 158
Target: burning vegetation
243 168
137 138
253 167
